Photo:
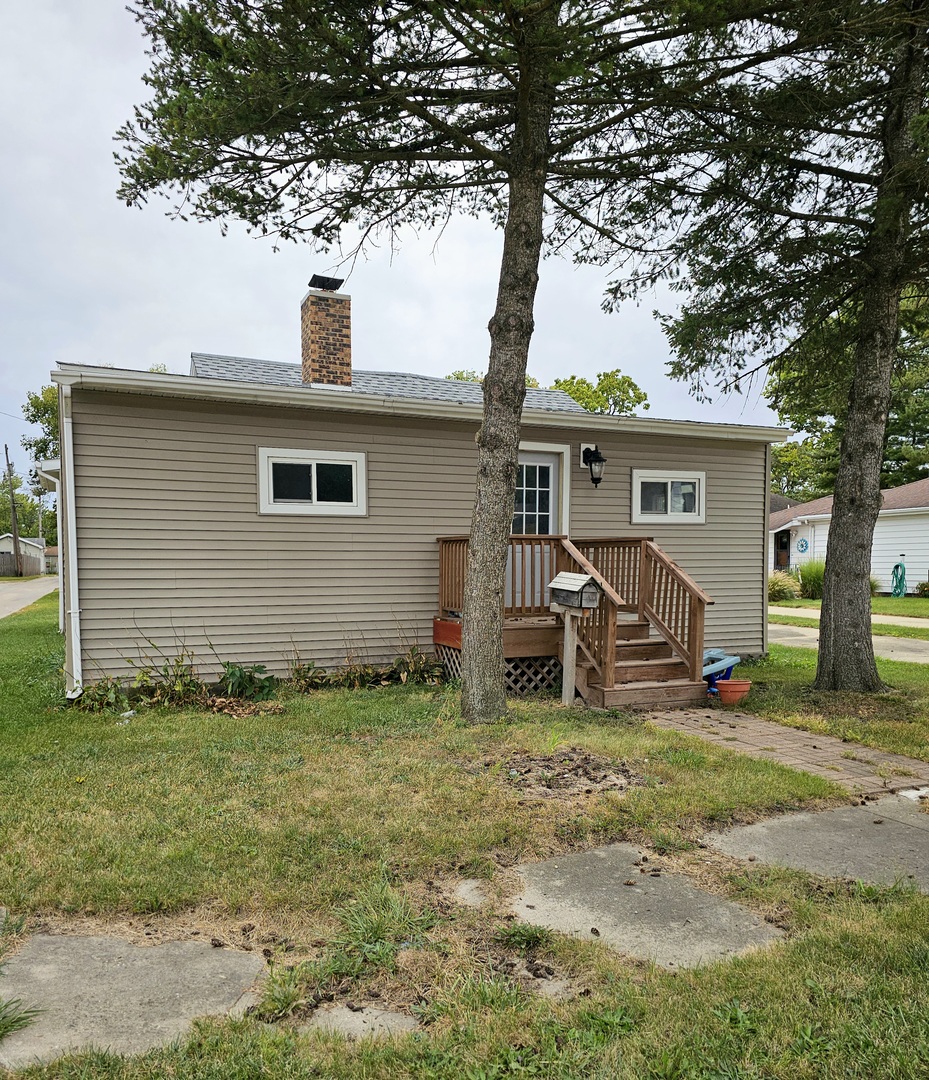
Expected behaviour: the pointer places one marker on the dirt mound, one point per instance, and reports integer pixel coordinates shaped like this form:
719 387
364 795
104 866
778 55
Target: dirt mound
564 774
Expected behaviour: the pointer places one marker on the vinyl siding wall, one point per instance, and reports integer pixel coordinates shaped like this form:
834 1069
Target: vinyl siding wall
894 534
726 556
174 554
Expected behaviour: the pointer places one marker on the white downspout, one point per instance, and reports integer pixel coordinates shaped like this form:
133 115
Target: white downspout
75 676
61 593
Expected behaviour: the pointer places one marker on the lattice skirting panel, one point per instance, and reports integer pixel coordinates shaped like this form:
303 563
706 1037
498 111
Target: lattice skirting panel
529 674
451 660
523 675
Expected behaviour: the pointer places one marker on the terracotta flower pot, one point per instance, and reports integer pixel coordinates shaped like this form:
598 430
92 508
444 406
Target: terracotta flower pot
732 691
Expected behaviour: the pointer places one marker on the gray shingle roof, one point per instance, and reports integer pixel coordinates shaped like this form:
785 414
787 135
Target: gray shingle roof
396 384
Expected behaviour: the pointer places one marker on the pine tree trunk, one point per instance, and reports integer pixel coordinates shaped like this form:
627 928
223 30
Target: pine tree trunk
846 652
483 698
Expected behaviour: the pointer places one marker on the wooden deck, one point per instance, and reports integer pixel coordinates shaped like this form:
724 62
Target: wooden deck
642 646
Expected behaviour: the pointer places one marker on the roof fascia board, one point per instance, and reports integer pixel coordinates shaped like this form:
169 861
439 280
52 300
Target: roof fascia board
901 511
187 386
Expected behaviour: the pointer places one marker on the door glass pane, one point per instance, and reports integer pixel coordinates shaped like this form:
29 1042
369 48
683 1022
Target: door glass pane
534 501
654 497
291 482
334 483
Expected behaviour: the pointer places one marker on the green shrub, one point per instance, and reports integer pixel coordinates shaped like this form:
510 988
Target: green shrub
419 667
104 695
415 667
875 585
782 586
172 682
922 589
811 579
248 683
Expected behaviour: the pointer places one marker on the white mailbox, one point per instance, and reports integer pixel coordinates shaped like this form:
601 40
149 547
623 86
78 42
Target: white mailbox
578 591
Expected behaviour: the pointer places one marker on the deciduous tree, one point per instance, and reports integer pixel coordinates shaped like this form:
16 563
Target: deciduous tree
42 408
613 393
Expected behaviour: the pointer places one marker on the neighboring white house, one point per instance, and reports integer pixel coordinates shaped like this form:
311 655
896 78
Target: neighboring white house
800 533
31 548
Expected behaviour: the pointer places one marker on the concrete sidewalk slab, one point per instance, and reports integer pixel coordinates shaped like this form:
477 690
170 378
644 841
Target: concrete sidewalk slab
861 769
360 1023
911 650
814 613
609 895
15 595
883 842
106 993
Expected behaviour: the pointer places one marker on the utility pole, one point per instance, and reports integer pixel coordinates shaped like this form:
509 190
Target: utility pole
14 524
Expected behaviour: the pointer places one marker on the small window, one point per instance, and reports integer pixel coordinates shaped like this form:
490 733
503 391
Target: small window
311 482
668 497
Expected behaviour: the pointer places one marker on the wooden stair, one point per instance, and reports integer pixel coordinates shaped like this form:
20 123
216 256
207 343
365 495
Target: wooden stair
647 674
642 646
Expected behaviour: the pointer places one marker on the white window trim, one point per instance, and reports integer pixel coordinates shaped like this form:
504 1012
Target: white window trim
267 455
665 475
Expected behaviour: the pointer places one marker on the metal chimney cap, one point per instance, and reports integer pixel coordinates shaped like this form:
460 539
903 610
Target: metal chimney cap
327 284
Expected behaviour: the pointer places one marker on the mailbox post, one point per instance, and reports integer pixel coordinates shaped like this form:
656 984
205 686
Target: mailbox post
572 596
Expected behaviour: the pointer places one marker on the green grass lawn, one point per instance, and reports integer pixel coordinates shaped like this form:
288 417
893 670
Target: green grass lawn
331 828
916 607
896 721
26 577
878 629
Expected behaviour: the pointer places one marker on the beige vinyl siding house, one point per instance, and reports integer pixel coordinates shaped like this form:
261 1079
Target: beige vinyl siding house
169 545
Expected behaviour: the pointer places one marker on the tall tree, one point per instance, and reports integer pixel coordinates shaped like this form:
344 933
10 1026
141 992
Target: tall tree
809 389
302 117
807 188
800 470
42 408
613 394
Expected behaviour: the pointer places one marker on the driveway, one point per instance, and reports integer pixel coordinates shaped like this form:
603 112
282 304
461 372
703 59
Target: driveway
19 594
913 650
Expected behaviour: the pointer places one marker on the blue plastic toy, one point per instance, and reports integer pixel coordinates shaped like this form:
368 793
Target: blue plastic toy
717 664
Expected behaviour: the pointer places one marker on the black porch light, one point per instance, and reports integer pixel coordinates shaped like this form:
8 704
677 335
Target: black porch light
595 461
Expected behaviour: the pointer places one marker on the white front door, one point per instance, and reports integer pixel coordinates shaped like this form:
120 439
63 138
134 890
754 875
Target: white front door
536 511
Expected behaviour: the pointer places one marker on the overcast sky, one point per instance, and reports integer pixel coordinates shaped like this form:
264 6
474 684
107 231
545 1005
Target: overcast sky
84 279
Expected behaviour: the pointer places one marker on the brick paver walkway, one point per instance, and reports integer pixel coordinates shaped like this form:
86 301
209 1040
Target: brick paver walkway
861 769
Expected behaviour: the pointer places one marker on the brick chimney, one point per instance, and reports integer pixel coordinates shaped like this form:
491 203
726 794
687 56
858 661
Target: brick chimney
326 333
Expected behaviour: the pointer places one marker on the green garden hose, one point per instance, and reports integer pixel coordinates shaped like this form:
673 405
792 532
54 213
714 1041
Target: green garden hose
898 580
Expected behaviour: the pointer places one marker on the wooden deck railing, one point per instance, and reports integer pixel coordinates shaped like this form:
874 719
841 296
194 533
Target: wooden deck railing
596 634
676 606
531 565
619 561
634 574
